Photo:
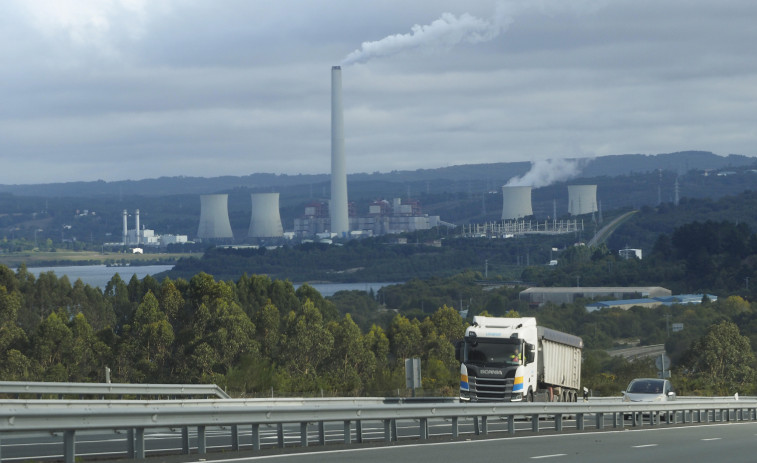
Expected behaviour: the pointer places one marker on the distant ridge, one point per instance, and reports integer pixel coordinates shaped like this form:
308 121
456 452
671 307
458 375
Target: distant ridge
497 173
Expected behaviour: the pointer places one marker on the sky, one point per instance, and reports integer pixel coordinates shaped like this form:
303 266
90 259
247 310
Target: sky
132 89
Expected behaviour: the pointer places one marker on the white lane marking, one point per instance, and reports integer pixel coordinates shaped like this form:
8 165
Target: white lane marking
712 438
642 446
549 456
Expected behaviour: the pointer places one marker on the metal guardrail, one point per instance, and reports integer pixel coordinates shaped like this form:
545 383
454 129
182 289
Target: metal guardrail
18 388
135 417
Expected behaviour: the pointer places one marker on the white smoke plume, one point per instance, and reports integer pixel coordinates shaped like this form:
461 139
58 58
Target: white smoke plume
548 171
445 32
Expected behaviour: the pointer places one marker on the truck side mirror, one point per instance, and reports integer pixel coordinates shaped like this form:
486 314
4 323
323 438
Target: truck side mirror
458 350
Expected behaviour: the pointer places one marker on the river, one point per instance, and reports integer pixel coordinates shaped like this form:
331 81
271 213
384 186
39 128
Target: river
99 276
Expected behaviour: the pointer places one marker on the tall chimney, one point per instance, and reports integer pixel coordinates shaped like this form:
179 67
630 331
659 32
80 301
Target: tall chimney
338 207
126 228
137 214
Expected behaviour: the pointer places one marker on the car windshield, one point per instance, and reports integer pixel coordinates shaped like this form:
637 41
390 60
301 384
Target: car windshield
483 352
646 386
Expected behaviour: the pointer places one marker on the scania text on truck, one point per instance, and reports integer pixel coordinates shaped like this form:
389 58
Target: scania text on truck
513 359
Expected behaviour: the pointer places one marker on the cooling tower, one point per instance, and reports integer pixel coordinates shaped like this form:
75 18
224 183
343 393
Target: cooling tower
214 217
338 207
516 202
265 221
582 199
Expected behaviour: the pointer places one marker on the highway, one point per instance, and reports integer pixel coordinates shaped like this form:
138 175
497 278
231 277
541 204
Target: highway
724 443
566 447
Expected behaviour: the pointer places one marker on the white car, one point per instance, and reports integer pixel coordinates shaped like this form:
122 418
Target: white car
649 390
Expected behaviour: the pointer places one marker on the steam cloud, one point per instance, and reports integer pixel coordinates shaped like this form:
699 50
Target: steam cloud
549 171
445 32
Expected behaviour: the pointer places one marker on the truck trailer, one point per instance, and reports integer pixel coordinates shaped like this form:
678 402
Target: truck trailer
513 360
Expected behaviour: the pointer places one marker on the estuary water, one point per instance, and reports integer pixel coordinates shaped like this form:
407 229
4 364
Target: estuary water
99 276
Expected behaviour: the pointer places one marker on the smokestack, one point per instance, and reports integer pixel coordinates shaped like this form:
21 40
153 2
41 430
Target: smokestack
338 206
126 227
137 214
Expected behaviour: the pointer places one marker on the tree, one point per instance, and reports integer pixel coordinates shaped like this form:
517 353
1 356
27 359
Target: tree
150 339
722 360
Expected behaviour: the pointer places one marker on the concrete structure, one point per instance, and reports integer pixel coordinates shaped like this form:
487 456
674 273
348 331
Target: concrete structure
265 221
338 208
214 217
582 199
567 295
516 202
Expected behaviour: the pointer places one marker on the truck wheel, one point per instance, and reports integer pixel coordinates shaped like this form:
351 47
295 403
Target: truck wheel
530 396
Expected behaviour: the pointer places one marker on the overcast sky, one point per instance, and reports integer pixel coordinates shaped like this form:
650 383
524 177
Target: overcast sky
132 89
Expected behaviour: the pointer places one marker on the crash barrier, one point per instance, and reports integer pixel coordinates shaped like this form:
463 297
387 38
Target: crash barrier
134 417
102 390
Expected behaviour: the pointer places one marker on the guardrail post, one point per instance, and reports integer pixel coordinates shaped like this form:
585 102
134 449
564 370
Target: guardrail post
600 420
304 434
618 421
139 443
359 431
580 421
535 422
387 430
455 428
484 425
255 436
184 440
511 424
235 437
558 421
423 429
130 443
394 430
202 447
321 433
347 433
69 446
476 428
280 434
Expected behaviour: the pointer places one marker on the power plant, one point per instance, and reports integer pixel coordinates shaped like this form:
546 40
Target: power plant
582 199
265 221
338 207
214 217
516 202
145 237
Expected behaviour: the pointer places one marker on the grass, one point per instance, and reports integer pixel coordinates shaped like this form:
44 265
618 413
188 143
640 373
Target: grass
46 258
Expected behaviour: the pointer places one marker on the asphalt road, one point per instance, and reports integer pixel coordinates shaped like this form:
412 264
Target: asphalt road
724 443
661 441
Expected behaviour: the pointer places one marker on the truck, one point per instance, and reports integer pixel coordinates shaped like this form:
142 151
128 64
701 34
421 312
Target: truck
514 359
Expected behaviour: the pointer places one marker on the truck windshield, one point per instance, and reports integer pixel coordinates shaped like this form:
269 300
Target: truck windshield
486 352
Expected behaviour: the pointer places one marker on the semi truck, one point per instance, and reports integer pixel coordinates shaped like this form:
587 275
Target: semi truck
514 359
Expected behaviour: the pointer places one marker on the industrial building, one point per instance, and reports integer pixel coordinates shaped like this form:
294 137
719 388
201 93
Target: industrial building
650 302
567 295
145 237
214 217
383 218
